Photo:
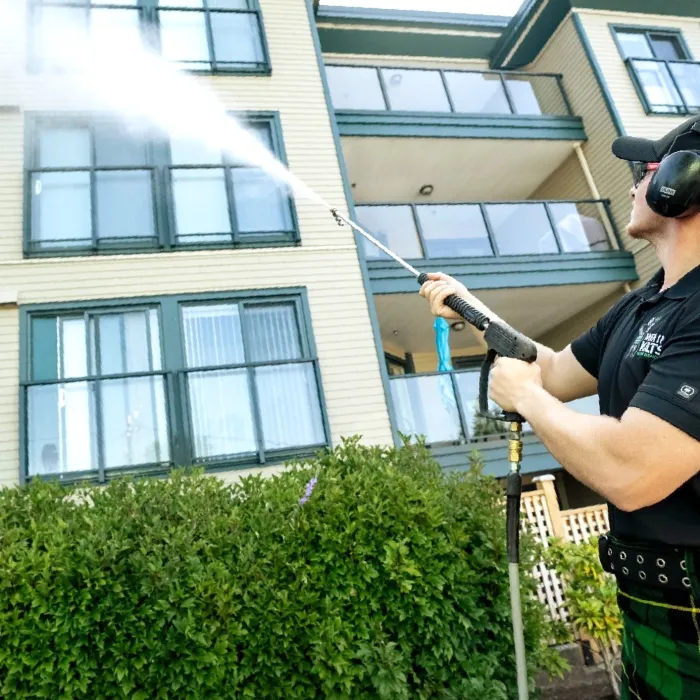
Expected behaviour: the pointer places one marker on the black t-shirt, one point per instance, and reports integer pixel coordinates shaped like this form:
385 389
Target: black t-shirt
645 353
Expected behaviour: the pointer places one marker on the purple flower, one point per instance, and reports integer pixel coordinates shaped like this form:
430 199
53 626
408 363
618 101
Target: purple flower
309 491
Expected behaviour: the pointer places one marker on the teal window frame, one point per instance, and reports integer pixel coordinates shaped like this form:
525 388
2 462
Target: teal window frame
670 32
174 370
149 24
159 163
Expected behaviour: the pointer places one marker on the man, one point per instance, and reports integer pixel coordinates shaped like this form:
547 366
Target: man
642 454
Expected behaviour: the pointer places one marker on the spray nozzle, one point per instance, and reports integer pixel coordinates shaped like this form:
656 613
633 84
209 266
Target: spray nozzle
337 217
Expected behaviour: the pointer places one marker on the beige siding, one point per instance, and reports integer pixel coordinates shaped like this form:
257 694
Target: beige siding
566 182
565 54
326 263
634 120
405 61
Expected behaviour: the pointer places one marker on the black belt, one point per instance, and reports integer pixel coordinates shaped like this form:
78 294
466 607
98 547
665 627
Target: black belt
648 565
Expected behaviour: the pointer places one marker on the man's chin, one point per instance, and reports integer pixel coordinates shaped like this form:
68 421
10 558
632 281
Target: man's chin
640 233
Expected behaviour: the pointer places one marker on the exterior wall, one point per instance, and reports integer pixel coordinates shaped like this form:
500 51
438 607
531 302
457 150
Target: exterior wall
405 61
566 182
564 53
326 263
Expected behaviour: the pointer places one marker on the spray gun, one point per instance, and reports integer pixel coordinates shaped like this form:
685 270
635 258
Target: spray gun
501 341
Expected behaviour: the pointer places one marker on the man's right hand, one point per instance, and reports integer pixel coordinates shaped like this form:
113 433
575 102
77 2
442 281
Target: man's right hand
442 286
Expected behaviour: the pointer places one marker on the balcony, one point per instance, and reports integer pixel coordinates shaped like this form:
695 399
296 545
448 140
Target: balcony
404 127
443 407
666 87
496 245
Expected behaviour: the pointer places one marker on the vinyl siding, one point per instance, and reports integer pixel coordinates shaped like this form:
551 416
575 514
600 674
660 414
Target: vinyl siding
634 119
566 182
405 61
326 263
565 54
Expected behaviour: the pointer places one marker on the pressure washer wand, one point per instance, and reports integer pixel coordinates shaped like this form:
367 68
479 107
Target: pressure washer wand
504 341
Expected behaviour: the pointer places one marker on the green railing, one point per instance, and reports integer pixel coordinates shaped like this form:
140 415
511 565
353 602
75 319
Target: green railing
443 407
395 89
489 229
666 87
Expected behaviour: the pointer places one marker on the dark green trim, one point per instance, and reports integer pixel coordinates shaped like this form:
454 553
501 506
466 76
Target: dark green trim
649 29
410 18
337 40
554 12
432 125
158 163
174 371
598 73
374 319
511 271
536 457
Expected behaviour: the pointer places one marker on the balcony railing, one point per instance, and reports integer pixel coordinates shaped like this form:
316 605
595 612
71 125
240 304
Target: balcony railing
488 229
667 87
447 91
443 407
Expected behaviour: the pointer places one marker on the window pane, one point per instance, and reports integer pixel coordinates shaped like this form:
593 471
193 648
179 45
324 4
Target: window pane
61 209
229 4
634 45
477 426
181 3
191 152
134 422
272 333
221 413
455 230
127 343
579 227
666 47
426 406
355 88
129 3
262 205
64 147
124 204
44 344
262 133
687 77
415 90
394 227
477 93
658 86
201 206
57 32
183 37
236 38
521 229
60 429
116 28
115 146
212 335
289 406
522 93
73 346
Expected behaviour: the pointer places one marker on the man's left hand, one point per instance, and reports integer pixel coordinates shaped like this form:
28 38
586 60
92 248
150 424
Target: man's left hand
512 381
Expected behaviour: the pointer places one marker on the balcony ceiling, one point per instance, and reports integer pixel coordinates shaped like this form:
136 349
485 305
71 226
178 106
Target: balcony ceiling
386 169
531 310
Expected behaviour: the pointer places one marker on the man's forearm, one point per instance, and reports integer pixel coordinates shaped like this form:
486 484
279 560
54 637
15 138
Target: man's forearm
588 447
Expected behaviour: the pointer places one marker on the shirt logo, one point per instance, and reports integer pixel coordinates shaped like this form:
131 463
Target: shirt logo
687 392
647 345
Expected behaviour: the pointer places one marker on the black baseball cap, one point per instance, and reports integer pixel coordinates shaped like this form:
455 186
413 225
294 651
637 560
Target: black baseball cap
685 137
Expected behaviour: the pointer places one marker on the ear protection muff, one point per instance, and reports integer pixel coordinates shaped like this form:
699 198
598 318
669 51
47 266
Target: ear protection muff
674 189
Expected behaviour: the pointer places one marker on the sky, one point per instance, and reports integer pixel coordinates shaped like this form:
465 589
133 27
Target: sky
469 7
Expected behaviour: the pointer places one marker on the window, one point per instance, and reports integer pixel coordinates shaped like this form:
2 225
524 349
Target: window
198 35
662 70
103 394
96 186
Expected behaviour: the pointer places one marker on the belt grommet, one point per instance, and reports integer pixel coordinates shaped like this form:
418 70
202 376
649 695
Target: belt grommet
623 555
686 582
625 570
684 565
640 559
642 575
663 578
660 563
609 551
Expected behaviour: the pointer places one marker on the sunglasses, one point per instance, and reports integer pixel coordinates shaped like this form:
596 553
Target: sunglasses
640 170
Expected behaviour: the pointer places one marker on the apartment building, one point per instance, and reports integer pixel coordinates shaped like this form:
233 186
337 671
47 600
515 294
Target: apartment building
164 304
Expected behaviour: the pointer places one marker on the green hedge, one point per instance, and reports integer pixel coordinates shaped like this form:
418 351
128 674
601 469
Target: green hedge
389 581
